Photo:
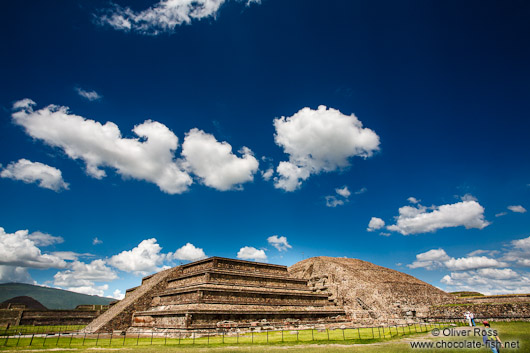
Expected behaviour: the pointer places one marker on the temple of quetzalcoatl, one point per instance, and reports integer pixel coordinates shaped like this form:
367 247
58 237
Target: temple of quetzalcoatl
219 292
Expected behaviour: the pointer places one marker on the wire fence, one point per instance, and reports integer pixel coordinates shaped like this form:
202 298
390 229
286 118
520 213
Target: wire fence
73 336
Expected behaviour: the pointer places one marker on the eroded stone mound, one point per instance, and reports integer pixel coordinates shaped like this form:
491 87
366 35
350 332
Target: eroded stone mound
370 293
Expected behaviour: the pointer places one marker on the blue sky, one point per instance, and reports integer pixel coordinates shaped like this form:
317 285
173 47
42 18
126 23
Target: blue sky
142 134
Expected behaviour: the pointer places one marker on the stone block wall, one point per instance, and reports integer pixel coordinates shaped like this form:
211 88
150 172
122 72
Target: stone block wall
488 310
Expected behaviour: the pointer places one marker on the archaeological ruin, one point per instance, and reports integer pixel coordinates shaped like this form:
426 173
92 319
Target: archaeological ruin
228 294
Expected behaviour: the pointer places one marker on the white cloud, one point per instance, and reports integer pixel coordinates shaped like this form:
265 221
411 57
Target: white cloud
90 290
488 281
343 195
251 253
141 260
279 243
69 255
361 191
215 164
18 249
117 294
519 252
517 209
164 16
482 252
96 241
89 95
344 192
316 141
35 172
267 175
333 201
415 220
471 263
149 157
17 274
413 200
500 214
375 223
430 259
83 275
189 253
44 239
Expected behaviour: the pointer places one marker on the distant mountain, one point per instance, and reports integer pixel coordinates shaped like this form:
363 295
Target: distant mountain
50 297
29 302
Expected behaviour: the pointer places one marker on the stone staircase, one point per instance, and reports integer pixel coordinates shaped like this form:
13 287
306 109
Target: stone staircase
133 297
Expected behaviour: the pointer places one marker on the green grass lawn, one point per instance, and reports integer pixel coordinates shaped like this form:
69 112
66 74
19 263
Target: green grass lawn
307 341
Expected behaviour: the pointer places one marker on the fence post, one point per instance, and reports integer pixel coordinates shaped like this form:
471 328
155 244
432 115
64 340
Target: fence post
138 338
208 337
58 338
124 337
180 333
384 335
152 333
97 340
312 334
33 335
84 339
267 336
193 336
71 337
297 332
252 333
327 330
165 338
110 342
223 335
43 342
237 337
19 335
373 333
359 333
343 335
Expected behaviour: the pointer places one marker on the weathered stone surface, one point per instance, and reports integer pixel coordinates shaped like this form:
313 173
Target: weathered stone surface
370 293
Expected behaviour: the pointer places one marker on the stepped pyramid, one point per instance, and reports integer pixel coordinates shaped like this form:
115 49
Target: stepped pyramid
370 293
218 292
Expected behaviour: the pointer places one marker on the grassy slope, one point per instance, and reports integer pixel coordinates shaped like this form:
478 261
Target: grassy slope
49 297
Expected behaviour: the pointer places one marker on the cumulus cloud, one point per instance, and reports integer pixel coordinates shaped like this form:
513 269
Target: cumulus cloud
189 253
96 241
17 274
430 259
35 172
141 260
488 281
316 141
251 253
148 157
375 223
413 200
344 192
517 209
279 243
215 164
438 258
519 252
83 275
44 239
421 219
88 95
267 175
19 250
334 201
472 262
163 17
117 294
